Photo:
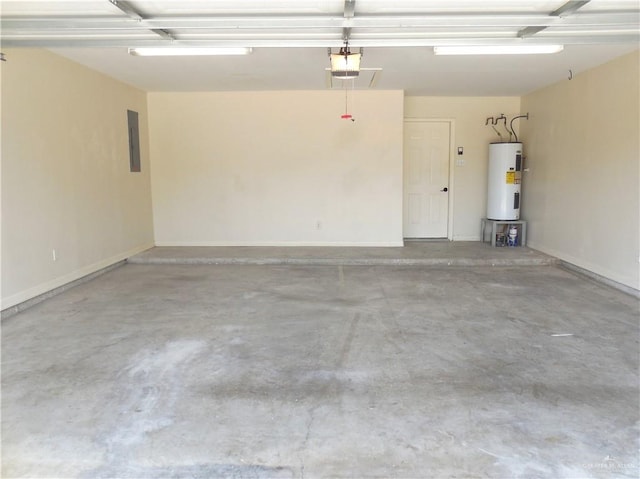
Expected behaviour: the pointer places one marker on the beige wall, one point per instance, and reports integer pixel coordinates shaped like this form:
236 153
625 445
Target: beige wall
582 148
66 183
468 181
283 168
276 168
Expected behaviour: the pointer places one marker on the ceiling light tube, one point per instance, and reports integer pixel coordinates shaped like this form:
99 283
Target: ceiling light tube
188 51
497 49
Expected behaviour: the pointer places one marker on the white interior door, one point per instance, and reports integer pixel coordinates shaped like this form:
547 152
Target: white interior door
426 179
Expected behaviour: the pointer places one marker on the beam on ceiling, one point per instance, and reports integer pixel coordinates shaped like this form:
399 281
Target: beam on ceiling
349 13
131 12
361 38
126 8
318 22
585 38
289 30
567 9
529 31
349 8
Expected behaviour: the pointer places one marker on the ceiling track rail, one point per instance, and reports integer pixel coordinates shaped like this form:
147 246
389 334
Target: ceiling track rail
349 13
131 12
627 18
129 26
355 41
569 8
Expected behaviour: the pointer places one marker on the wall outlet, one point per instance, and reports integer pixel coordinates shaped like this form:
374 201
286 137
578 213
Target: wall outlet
318 225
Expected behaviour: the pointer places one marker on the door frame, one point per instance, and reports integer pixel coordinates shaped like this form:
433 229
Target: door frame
452 134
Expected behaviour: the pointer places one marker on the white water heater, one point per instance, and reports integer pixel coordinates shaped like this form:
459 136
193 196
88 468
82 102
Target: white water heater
505 179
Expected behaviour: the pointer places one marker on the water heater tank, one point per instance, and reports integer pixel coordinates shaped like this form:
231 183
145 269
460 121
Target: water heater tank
505 178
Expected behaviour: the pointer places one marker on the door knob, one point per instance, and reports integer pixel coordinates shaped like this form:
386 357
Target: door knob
445 189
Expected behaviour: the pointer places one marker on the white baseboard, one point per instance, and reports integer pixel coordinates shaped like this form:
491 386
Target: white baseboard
466 238
373 244
43 288
586 266
600 279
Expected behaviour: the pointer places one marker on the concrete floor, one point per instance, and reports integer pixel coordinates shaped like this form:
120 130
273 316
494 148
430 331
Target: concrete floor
292 371
427 253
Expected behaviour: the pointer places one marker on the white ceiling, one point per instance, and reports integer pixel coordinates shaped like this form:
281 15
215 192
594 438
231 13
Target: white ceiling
290 41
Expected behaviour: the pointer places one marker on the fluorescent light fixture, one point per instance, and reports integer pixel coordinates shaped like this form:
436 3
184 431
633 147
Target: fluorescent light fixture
497 49
345 65
188 51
